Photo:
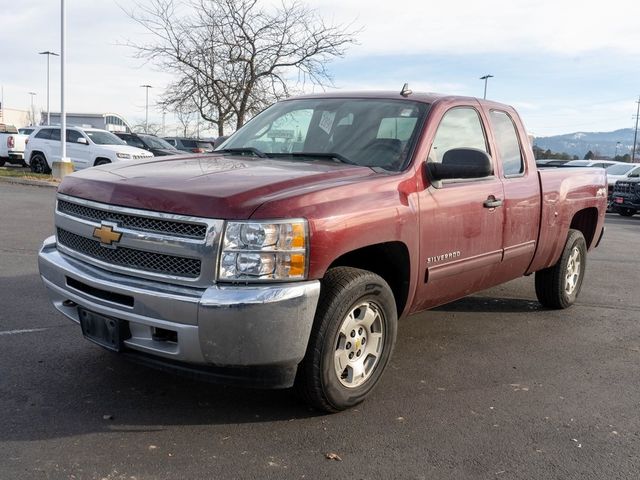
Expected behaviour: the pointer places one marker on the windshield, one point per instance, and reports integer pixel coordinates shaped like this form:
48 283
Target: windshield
25 131
155 142
367 132
100 137
620 169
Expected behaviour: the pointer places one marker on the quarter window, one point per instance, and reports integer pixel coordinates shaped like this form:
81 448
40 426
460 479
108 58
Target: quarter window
459 128
507 143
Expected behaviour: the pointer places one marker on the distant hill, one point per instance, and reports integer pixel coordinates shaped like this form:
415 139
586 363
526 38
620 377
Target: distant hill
579 143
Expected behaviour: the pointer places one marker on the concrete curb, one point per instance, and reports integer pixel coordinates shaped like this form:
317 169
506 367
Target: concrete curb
25 181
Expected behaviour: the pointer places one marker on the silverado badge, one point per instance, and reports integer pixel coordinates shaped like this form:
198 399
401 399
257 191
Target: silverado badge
106 235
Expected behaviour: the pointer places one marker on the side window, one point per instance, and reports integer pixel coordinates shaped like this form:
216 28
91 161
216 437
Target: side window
44 134
133 141
507 143
73 136
459 128
55 134
399 128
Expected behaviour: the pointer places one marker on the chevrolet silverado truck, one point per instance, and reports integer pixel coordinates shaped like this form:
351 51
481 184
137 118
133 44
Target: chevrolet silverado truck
286 257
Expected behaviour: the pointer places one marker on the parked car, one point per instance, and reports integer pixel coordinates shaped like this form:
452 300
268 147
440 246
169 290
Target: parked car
550 162
12 143
86 147
286 257
190 144
158 146
626 196
591 163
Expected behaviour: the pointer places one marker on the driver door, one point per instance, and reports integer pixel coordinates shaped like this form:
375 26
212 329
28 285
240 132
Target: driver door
461 221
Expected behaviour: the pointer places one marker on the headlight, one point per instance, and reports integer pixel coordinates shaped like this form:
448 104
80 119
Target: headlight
123 155
274 250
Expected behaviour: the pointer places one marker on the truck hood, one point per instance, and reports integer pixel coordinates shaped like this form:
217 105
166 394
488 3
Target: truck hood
213 186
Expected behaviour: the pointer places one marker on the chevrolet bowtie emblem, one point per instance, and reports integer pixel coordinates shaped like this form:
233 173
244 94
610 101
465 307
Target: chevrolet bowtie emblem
106 235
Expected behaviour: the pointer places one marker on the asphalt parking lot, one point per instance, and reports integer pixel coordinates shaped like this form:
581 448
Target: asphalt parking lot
492 386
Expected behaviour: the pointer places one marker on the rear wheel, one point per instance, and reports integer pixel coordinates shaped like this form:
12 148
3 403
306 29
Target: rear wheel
2 162
351 342
39 164
559 286
627 212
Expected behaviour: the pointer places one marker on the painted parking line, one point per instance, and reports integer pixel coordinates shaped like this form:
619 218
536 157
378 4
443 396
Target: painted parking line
17 332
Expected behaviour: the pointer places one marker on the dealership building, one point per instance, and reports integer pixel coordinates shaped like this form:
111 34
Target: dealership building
106 121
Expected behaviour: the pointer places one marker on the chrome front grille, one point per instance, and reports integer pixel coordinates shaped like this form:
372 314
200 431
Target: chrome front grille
178 229
171 248
127 257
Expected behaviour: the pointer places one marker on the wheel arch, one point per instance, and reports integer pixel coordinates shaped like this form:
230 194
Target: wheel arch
95 162
586 221
390 260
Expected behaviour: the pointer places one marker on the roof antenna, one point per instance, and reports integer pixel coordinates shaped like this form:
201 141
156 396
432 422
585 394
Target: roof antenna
406 91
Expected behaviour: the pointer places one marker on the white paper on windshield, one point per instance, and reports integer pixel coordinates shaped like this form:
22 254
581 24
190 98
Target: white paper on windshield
326 121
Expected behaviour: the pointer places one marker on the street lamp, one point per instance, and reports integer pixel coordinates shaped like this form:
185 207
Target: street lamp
33 111
64 166
146 108
485 78
48 54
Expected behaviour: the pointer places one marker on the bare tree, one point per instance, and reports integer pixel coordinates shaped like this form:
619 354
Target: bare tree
151 129
232 58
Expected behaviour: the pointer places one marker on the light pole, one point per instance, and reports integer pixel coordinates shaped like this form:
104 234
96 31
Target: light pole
33 111
635 135
63 167
48 54
146 108
485 78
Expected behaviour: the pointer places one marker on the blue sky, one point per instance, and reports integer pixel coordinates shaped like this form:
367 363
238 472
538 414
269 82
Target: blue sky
566 65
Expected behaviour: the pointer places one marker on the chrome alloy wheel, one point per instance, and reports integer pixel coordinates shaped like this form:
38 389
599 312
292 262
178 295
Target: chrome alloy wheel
359 344
573 271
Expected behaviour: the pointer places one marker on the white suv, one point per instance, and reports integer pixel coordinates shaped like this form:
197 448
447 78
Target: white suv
86 147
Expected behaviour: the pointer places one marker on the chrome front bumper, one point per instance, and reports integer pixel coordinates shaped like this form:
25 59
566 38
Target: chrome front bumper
222 326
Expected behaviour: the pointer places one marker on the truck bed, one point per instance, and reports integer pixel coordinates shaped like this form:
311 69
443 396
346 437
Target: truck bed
566 192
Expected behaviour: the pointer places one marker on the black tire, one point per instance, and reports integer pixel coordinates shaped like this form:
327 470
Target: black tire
101 161
39 164
627 212
2 162
557 287
347 290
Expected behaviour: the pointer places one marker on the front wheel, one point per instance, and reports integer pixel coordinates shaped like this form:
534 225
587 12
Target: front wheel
627 212
558 286
353 336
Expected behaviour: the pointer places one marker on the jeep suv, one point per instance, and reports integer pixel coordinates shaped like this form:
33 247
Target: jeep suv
86 147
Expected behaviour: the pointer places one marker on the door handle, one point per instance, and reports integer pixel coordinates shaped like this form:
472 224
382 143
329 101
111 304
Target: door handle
492 202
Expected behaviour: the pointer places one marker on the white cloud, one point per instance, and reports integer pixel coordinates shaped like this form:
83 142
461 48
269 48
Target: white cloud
467 26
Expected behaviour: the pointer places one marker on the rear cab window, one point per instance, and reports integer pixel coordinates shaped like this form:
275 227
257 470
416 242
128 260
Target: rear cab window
507 143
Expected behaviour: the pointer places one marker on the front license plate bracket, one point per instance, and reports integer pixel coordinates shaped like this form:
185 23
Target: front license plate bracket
108 332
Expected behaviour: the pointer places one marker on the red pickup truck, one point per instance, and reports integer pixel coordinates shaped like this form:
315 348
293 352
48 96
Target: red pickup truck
288 256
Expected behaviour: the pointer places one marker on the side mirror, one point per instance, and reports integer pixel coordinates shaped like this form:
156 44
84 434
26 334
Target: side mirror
83 141
461 163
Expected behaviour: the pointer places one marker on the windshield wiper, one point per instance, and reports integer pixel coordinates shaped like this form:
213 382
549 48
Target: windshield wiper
254 151
331 156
